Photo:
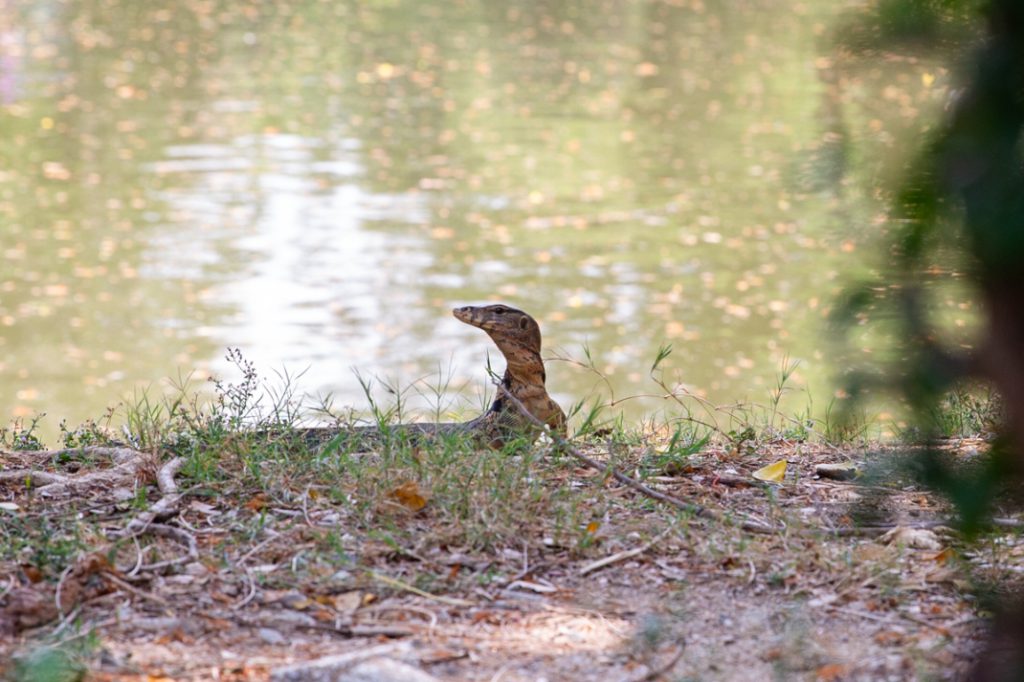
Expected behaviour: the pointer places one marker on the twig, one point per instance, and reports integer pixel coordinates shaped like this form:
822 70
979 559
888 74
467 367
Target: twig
252 592
60 586
165 477
415 590
66 620
691 507
127 587
659 671
179 536
8 587
138 558
622 556
897 614
245 557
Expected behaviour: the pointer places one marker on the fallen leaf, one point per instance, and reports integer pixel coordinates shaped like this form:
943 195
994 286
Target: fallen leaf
832 671
32 573
409 496
257 503
889 638
773 473
347 602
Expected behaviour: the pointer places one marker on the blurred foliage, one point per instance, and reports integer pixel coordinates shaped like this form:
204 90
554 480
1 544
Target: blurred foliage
895 23
961 203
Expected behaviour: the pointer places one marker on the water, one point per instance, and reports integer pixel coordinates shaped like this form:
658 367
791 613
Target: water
319 183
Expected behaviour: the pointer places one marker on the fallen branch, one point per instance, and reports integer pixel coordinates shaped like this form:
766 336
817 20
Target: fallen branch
691 507
701 511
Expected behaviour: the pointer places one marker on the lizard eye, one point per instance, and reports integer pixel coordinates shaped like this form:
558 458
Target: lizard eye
500 310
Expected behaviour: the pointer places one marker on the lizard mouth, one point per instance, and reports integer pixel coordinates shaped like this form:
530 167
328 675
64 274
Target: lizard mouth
465 314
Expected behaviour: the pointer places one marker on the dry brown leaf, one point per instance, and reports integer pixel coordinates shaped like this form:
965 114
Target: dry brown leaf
347 602
832 671
409 496
257 503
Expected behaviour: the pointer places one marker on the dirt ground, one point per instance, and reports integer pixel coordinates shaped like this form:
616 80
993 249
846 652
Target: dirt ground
855 582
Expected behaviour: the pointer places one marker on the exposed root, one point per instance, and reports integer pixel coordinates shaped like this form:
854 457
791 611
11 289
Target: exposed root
127 464
166 506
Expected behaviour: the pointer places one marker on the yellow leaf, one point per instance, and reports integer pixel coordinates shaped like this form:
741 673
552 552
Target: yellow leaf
592 527
409 496
773 473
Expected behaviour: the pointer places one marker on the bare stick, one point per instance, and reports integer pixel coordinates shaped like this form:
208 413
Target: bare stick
250 595
178 535
8 587
387 580
622 556
659 671
136 591
60 586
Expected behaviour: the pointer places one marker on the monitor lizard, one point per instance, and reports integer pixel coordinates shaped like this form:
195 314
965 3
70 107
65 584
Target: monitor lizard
517 336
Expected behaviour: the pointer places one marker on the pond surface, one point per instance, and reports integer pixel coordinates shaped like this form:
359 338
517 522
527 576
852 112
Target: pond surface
319 183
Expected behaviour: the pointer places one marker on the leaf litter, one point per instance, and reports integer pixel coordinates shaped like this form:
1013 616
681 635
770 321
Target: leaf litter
197 580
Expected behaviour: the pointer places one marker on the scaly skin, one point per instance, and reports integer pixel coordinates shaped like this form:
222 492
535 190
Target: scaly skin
517 336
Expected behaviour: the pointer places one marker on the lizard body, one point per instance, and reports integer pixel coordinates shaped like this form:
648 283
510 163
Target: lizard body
517 336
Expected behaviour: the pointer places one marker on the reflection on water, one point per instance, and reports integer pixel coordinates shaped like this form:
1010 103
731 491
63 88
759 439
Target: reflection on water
318 183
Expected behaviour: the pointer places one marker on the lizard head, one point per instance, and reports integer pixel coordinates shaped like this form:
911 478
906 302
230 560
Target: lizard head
504 324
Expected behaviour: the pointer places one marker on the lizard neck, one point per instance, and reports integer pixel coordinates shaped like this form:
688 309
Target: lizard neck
523 366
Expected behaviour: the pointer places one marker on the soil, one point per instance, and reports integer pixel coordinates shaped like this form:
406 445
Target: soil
655 595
